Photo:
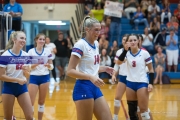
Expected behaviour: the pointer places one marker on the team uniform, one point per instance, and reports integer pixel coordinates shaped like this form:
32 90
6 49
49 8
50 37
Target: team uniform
15 71
122 73
136 69
89 64
40 74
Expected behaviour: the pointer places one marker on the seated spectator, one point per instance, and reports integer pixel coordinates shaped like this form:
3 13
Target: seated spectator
147 42
139 17
144 5
130 7
16 11
104 30
88 6
173 23
113 51
97 13
177 13
153 11
105 61
155 26
101 2
103 43
159 58
172 50
166 12
160 38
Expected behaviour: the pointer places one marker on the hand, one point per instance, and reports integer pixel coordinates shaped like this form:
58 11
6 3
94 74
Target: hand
127 46
25 68
113 78
110 70
150 88
47 65
97 81
21 81
11 13
112 48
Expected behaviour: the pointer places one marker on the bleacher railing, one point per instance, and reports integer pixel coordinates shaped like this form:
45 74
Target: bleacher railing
5 18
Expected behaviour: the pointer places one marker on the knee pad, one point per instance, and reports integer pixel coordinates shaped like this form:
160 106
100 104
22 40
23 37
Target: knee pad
132 106
40 108
117 103
145 116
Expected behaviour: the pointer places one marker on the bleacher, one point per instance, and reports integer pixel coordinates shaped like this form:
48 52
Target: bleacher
127 29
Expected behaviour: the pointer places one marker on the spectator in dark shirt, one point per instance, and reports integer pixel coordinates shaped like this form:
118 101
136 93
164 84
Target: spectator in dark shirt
16 11
62 46
160 38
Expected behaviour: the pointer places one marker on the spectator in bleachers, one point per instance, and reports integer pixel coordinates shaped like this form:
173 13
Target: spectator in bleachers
160 38
166 12
159 58
113 51
153 11
88 4
16 11
155 26
103 43
177 13
144 5
173 23
130 7
97 13
101 2
139 17
147 42
104 30
172 50
62 46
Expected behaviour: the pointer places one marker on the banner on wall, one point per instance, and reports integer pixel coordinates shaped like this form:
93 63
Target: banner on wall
113 9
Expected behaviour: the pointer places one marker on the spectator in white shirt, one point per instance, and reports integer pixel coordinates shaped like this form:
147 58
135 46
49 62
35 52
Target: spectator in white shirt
147 42
153 11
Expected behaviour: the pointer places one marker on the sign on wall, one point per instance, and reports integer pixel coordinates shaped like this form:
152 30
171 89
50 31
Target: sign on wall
114 9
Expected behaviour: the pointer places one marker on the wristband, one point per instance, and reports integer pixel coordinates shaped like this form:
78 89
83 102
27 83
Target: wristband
151 78
123 55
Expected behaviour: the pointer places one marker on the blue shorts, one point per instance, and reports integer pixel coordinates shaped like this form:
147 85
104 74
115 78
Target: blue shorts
85 89
122 79
14 88
38 80
136 85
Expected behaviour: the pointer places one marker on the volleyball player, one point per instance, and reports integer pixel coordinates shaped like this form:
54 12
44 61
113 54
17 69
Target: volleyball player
15 77
85 57
138 84
121 87
39 75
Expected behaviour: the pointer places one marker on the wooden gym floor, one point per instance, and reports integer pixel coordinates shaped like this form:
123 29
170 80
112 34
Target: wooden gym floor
164 102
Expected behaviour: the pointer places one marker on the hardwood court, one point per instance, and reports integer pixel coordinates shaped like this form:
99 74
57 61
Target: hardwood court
164 102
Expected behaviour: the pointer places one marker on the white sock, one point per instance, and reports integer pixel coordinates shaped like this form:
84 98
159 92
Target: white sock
115 117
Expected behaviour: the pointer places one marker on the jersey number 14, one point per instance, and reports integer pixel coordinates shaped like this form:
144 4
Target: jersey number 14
96 59
19 66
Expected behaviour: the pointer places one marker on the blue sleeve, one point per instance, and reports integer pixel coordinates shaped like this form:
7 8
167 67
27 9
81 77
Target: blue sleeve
176 39
167 39
20 9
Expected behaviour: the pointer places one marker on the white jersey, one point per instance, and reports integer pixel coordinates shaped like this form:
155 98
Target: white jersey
14 70
51 46
123 66
41 69
89 57
136 66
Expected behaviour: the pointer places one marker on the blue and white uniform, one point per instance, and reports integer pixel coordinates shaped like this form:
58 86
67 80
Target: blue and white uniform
40 74
123 67
136 69
89 64
15 71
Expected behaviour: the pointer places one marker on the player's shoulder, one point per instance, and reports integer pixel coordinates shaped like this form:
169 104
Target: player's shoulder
31 50
24 53
6 53
144 51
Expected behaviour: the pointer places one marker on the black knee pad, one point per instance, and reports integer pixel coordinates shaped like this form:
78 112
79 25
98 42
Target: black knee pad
132 106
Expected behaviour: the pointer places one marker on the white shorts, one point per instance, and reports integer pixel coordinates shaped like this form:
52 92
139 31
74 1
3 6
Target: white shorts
172 57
